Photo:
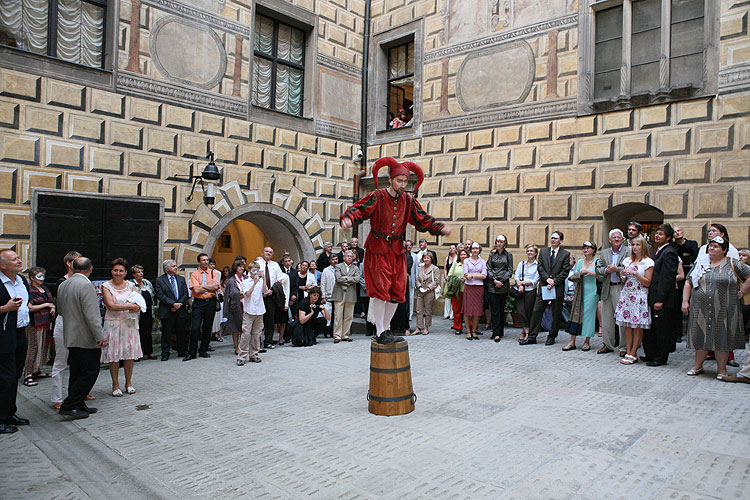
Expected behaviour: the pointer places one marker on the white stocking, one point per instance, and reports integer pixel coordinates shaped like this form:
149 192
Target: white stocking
390 310
378 314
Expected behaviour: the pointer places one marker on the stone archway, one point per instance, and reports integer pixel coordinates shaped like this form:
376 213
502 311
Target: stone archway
619 216
283 218
282 230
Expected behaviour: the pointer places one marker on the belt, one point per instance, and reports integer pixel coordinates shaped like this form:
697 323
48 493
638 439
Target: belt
196 298
388 237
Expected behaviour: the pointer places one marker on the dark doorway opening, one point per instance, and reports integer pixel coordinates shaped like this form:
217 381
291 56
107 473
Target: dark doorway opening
99 228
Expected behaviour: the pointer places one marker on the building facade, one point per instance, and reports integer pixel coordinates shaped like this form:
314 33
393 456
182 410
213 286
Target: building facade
527 116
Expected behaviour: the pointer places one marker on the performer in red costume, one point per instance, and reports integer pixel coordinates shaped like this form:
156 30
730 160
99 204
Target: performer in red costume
389 210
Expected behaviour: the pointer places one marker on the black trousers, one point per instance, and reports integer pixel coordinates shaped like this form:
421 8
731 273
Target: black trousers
202 321
497 310
659 341
173 323
84 370
536 316
145 328
11 368
269 319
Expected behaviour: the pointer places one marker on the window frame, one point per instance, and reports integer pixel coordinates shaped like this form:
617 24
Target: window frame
625 99
391 79
51 66
378 90
307 21
275 61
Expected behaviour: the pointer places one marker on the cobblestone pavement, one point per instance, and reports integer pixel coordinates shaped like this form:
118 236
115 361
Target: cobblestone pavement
492 421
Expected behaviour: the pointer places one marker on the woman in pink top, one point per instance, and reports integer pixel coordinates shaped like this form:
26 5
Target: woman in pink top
475 271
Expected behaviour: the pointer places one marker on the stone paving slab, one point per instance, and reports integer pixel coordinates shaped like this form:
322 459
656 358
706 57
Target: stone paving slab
491 421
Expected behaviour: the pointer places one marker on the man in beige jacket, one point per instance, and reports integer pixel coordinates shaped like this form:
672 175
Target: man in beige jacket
344 297
83 336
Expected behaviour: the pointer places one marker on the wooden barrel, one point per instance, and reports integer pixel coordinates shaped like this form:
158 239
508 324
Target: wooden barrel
390 392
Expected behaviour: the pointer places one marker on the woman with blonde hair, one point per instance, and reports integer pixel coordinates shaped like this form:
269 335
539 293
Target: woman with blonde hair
632 311
475 272
526 277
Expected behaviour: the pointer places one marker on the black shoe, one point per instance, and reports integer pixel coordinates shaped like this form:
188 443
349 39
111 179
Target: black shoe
16 420
527 341
89 409
656 362
550 341
388 338
74 414
181 354
204 355
645 358
262 350
165 358
8 429
188 357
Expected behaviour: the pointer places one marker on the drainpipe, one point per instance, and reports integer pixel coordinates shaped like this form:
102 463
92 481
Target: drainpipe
363 125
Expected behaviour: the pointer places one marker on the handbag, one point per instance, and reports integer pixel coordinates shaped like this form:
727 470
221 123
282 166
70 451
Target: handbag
514 291
438 289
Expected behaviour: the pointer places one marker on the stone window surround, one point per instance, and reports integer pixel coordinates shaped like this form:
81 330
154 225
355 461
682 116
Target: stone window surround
586 14
43 65
377 93
307 21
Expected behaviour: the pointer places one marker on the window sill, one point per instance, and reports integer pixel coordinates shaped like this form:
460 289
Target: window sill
389 130
28 62
275 118
673 94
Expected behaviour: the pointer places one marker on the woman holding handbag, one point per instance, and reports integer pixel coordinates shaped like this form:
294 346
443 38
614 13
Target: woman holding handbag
428 280
527 277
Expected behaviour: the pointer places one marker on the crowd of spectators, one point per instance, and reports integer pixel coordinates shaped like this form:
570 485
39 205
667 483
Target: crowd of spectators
634 295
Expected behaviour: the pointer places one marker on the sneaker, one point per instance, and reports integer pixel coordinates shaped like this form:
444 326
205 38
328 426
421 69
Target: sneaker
270 346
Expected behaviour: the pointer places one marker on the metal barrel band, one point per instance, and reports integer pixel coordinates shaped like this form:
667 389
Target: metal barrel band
390 370
398 349
395 399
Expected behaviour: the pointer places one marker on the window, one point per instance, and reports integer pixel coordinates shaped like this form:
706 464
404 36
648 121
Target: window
400 85
279 66
70 30
645 51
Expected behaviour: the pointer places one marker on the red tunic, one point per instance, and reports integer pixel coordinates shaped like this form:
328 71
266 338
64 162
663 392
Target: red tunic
385 263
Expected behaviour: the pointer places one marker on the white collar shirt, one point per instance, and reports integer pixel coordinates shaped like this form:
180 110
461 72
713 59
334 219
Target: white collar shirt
18 289
254 303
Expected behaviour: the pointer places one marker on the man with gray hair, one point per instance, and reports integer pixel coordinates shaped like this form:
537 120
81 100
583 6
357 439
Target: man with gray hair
172 291
610 266
344 296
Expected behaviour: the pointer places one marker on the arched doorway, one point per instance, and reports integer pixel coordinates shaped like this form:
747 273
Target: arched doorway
259 225
619 216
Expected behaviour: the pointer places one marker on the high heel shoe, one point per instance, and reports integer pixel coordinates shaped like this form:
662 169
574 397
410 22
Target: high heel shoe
469 337
474 336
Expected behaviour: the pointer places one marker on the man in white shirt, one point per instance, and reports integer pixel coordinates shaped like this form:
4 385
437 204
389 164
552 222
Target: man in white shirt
327 282
14 318
253 290
271 271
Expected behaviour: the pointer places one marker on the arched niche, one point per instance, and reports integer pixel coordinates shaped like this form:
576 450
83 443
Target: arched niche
619 216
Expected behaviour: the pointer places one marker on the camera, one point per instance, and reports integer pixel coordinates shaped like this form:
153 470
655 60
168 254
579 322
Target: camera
357 155
253 271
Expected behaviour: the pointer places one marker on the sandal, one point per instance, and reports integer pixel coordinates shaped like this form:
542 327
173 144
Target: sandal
117 393
586 347
474 336
131 389
469 337
629 360
569 347
30 382
39 374
693 373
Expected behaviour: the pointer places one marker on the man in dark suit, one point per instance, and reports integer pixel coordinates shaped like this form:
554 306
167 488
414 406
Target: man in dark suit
83 336
172 292
14 318
662 299
554 264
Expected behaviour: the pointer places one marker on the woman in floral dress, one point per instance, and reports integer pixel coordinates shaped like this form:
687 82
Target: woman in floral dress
121 326
632 311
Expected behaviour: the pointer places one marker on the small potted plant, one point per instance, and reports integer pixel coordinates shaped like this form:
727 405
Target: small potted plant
510 307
